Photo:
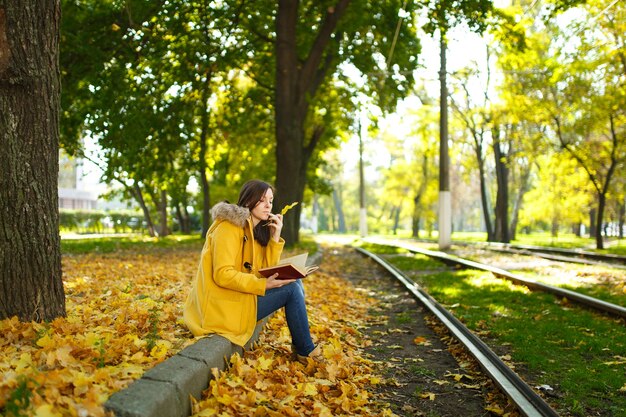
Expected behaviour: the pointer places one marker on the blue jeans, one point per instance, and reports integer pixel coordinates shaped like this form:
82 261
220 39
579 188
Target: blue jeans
290 296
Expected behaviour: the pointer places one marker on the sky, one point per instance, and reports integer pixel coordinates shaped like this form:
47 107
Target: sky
463 48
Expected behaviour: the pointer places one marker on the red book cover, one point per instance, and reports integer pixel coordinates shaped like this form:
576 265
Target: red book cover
289 268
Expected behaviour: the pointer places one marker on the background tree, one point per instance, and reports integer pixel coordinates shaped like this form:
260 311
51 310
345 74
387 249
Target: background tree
30 252
579 93
306 57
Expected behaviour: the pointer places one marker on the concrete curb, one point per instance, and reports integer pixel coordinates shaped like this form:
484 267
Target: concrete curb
164 390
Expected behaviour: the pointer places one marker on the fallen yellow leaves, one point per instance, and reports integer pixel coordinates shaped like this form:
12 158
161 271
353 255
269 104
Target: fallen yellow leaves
122 313
266 382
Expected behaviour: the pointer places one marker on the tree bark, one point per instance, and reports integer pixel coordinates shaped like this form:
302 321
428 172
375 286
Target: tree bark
501 230
621 218
144 208
341 222
600 220
524 181
396 220
164 230
296 83
484 200
592 222
416 217
202 165
31 286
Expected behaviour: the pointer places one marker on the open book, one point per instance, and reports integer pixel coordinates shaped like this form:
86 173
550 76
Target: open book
290 268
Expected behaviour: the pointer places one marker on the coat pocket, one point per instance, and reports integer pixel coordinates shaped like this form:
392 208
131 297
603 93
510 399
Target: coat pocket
224 316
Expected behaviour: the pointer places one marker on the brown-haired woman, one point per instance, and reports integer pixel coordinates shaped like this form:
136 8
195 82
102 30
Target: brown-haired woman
228 296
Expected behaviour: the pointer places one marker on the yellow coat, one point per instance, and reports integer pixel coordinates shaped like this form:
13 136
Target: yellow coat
223 297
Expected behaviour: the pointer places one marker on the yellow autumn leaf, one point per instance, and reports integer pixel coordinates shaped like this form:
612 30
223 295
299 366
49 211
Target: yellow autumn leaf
45 341
25 362
160 349
265 363
46 410
288 207
374 380
308 389
428 395
495 410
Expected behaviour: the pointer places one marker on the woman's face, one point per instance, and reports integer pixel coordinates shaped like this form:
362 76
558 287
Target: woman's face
263 208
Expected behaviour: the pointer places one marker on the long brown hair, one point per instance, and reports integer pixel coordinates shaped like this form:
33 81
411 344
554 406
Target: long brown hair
249 196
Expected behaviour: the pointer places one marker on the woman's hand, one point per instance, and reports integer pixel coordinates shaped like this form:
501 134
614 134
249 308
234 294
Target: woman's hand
273 282
275 221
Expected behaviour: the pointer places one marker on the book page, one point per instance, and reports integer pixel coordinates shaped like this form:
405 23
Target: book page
299 261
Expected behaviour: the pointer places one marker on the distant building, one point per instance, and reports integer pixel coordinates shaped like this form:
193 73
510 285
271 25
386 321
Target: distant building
72 191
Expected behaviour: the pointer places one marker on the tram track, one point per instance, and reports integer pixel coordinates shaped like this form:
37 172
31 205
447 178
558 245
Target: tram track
451 260
561 254
528 402
579 256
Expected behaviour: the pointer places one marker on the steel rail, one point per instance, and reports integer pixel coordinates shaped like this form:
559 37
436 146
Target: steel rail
577 297
521 394
552 253
568 255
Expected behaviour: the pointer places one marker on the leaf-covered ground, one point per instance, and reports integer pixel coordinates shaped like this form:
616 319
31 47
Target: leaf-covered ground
382 357
266 382
123 315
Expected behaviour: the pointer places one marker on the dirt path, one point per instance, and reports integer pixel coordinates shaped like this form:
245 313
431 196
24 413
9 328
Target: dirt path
427 374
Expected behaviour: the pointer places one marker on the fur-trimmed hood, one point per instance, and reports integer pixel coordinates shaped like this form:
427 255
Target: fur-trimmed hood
233 213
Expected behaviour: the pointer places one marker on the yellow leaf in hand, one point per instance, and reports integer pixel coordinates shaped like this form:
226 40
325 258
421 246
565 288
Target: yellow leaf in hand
288 207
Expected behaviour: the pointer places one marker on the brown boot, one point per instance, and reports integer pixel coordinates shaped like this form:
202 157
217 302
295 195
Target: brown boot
316 355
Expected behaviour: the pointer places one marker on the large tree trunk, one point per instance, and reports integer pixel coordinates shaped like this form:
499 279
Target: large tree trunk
621 218
164 230
415 223
600 220
296 83
396 219
592 222
30 250
202 165
144 209
482 179
501 229
341 221
523 188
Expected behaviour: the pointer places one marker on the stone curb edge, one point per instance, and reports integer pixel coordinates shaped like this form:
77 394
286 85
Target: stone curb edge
164 390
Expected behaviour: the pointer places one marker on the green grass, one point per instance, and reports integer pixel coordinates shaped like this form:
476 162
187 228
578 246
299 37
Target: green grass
578 352
111 244
380 249
606 286
420 371
136 242
563 240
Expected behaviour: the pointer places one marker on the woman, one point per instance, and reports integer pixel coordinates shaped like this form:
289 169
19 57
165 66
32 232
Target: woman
228 296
